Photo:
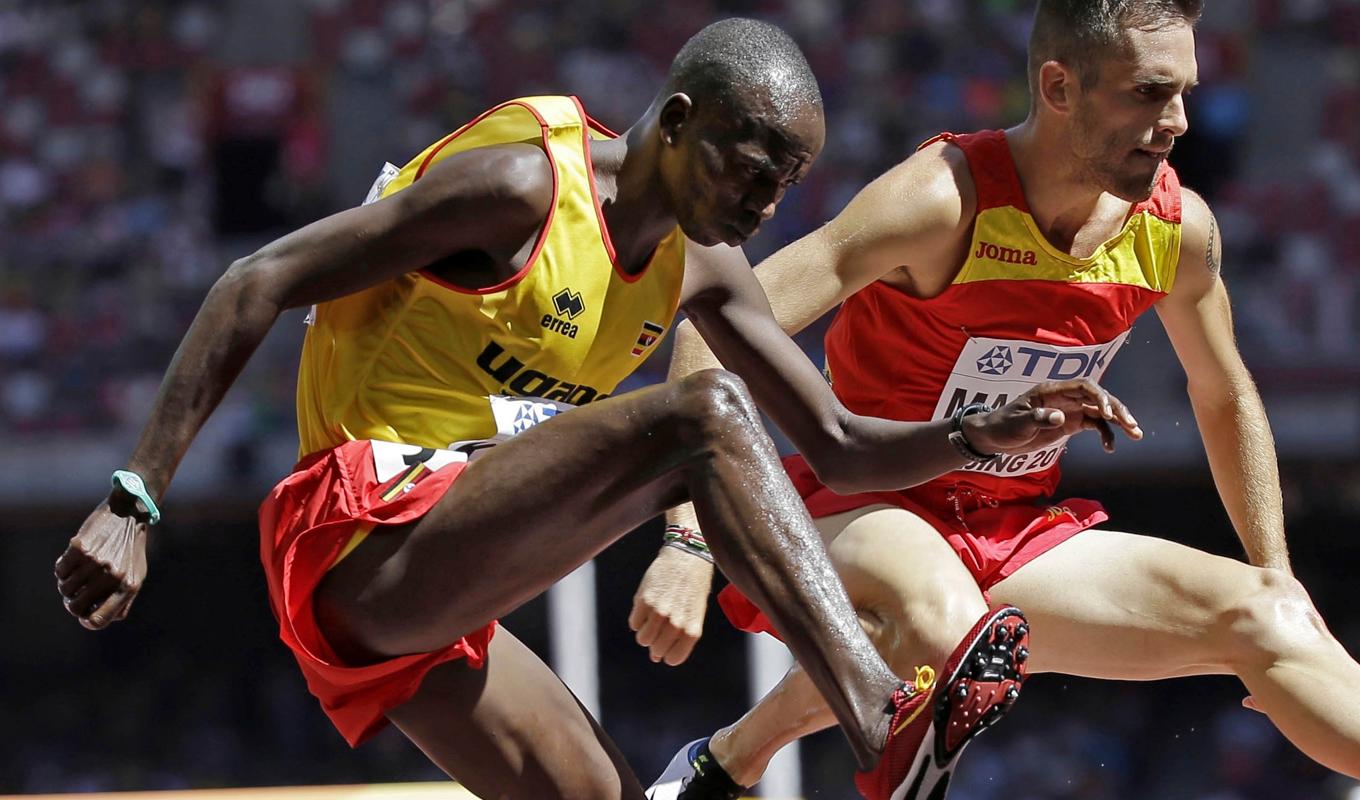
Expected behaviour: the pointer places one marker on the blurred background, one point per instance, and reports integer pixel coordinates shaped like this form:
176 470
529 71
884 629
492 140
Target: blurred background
144 145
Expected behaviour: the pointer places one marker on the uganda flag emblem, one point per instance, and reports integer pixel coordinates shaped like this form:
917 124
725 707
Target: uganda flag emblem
650 333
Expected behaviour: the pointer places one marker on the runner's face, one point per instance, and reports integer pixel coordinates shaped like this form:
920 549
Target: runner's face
1124 126
737 171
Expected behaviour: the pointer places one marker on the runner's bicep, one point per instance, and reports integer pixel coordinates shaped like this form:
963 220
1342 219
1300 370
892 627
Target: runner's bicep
1201 333
803 281
1197 313
488 200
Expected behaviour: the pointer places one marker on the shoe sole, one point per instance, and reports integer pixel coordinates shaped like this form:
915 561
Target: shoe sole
989 674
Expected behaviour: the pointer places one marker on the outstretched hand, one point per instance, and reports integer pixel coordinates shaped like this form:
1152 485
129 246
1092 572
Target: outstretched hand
670 604
103 567
1049 412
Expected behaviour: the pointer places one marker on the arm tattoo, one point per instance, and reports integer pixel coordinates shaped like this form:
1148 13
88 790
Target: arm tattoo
1213 254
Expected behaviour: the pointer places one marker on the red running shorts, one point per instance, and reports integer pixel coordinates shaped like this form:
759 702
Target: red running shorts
305 524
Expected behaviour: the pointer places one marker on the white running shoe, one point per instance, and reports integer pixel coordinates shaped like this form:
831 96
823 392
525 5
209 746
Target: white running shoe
694 775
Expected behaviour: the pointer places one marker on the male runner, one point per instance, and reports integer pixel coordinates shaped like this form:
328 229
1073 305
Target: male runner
518 268
979 265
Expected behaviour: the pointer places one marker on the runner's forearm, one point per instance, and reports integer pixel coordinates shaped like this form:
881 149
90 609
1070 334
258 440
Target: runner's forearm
691 354
229 326
849 453
684 516
1241 451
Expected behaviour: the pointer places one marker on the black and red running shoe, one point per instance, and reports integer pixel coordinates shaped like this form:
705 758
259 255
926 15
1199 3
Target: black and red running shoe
930 727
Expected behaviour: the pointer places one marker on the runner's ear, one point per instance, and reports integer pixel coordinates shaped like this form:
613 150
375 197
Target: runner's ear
1055 83
676 112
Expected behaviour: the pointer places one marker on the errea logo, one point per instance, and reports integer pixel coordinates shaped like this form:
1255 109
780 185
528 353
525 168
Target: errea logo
1009 255
567 304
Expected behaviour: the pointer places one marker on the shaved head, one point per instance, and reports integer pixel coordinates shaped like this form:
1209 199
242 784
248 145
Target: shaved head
731 63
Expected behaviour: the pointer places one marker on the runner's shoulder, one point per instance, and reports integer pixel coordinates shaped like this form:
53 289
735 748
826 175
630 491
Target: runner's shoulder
515 179
931 187
1201 247
1196 216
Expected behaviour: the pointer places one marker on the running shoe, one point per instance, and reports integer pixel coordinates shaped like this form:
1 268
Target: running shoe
930 728
694 774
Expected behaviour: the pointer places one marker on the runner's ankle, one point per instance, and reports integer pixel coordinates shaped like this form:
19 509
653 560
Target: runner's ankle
739 764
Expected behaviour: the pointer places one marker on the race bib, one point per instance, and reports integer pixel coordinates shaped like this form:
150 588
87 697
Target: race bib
389 171
996 371
392 458
513 415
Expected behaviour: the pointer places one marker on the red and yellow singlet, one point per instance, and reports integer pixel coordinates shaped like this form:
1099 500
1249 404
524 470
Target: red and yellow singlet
1019 312
417 361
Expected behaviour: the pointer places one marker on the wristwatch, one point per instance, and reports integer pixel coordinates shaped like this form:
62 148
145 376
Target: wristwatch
133 484
960 441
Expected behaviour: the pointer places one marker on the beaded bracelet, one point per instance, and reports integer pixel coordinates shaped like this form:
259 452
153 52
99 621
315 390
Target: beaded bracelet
687 539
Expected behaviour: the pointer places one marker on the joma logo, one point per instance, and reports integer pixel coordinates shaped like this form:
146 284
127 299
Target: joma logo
1010 255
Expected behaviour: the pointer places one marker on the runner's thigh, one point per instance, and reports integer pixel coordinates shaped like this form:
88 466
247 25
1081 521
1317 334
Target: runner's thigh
512 730
529 511
896 566
1117 605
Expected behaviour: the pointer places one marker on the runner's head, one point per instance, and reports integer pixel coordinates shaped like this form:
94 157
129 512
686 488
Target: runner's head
740 121
1114 75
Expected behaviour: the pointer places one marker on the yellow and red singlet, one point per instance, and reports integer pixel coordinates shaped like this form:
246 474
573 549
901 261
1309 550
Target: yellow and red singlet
1019 312
418 361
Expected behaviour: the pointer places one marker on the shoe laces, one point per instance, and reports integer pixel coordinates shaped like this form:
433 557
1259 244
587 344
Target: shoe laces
924 680
919 686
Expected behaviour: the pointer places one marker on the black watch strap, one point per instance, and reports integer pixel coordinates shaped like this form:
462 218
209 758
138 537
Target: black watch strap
960 441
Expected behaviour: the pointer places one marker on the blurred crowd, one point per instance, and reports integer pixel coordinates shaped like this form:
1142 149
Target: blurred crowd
145 145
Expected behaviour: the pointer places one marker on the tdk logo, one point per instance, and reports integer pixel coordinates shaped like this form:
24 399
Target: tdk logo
567 304
997 361
991 371
1048 365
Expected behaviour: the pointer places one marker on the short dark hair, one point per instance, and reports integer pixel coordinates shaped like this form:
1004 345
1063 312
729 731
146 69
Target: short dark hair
738 58
1080 33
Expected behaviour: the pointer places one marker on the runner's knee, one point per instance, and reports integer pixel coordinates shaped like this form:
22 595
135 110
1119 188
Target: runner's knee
716 403
1270 620
921 628
915 614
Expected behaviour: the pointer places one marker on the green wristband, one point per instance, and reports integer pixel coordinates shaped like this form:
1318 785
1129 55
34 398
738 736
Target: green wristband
133 484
